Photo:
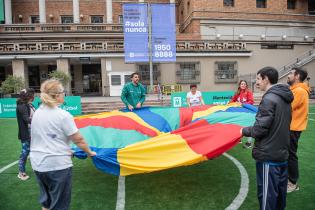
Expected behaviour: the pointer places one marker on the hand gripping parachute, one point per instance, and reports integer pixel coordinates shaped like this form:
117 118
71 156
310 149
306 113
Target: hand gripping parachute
157 138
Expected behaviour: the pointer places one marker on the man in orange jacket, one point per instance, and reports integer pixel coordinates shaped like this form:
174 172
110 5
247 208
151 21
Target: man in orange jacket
299 106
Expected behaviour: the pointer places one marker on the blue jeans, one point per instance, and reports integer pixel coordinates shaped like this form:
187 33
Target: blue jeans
24 154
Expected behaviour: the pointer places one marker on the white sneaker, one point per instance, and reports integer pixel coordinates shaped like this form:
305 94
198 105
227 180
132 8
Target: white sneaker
23 176
292 187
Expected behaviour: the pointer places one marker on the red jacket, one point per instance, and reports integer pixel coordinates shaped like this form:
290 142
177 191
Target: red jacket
245 96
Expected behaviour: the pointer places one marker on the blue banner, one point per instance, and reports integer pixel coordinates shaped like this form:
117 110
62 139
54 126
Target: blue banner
136 33
163 32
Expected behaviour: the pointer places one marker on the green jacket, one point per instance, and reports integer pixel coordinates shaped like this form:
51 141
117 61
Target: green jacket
132 94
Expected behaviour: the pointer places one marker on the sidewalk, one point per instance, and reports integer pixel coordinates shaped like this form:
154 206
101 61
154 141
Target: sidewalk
149 97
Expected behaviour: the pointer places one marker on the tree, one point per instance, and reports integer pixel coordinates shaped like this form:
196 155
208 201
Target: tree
12 84
63 77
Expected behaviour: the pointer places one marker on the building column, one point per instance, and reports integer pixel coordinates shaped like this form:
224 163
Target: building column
8 11
19 69
109 11
42 11
106 66
63 65
78 78
76 11
172 1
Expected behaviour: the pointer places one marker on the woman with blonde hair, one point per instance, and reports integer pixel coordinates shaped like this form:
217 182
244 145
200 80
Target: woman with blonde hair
53 129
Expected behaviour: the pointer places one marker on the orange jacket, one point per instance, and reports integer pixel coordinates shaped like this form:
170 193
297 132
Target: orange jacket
299 106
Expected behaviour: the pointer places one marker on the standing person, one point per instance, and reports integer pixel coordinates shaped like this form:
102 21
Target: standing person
24 113
271 131
243 94
194 97
133 93
53 129
299 121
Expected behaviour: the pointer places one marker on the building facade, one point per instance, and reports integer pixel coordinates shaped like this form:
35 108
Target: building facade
218 42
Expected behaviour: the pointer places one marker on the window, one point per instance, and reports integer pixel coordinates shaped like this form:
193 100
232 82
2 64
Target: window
228 3
34 19
261 3
120 19
116 80
291 4
188 73
225 72
96 19
144 72
127 78
66 19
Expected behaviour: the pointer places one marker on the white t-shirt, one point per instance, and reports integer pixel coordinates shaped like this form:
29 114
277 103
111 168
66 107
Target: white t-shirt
50 146
194 100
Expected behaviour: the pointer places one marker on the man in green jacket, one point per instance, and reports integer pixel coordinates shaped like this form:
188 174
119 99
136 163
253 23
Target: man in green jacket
133 93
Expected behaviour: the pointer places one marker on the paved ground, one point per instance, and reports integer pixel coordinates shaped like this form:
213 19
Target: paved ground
117 98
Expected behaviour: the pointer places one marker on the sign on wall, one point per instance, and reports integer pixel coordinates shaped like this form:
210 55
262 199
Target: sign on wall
163 33
136 33
178 99
8 106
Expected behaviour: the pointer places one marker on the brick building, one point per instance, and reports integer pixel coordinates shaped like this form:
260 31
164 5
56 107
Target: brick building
218 42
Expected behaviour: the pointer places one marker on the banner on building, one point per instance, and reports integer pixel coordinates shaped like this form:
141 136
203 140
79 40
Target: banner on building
136 33
178 99
1 11
8 106
163 32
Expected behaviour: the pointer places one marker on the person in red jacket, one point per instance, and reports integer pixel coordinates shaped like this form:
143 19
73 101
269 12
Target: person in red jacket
243 94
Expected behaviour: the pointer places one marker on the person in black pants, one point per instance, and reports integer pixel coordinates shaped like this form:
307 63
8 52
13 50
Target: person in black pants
299 105
271 132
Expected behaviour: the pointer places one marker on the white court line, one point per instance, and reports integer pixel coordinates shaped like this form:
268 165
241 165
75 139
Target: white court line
242 194
237 202
311 113
120 204
311 119
8 166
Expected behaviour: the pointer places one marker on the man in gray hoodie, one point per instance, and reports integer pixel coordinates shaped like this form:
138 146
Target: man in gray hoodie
271 132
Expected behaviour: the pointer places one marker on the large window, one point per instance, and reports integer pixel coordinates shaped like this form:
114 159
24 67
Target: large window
291 4
225 71
144 72
96 19
34 19
188 73
261 3
66 19
228 3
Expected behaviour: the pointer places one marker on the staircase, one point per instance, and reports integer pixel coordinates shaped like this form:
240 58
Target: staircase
299 62
107 106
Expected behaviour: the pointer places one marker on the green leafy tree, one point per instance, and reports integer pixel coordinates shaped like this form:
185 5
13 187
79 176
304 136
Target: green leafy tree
12 84
63 77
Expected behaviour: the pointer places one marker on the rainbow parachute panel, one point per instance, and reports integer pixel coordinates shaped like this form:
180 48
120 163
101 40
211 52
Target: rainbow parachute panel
157 138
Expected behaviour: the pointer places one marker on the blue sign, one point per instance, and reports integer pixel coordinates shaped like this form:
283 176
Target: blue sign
136 33
163 33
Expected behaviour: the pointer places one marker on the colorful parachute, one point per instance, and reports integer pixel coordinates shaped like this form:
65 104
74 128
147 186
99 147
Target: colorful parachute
156 138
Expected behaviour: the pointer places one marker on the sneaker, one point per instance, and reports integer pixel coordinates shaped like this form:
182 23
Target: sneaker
247 145
292 187
23 176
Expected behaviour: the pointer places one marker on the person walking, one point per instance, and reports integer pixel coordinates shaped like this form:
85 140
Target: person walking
300 107
53 129
133 93
271 132
24 113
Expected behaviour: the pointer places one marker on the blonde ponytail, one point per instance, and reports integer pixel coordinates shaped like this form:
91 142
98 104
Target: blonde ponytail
49 90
